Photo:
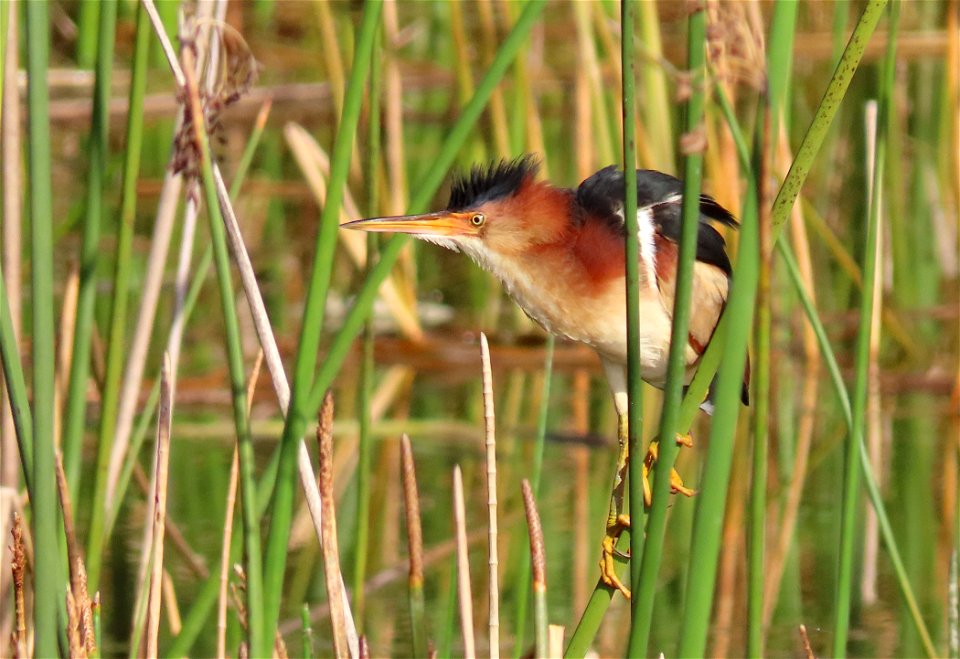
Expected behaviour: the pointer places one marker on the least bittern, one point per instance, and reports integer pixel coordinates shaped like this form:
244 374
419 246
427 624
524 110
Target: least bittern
560 254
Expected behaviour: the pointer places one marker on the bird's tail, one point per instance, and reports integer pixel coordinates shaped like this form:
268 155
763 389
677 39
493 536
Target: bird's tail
707 404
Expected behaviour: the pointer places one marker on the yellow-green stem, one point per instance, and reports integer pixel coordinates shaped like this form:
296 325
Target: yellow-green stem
48 583
121 295
645 584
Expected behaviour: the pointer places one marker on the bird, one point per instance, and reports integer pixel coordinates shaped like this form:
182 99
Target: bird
560 254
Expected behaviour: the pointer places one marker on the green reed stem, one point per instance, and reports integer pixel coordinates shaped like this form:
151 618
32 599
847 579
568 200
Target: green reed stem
88 34
756 532
16 388
306 632
365 441
709 514
193 623
523 578
196 618
300 403
48 586
836 378
246 158
539 442
121 295
602 595
645 581
597 605
196 285
711 500
449 614
418 620
74 417
851 477
782 30
137 439
829 104
249 514
870 482
632 250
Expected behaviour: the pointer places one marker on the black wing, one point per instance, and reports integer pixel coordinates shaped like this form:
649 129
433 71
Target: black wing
601 195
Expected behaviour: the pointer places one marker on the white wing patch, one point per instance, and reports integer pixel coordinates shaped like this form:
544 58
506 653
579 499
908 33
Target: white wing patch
645 236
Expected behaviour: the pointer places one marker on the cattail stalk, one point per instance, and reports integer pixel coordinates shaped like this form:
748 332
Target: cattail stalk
538 563
463 566
411 500
162 461
490 441
331 554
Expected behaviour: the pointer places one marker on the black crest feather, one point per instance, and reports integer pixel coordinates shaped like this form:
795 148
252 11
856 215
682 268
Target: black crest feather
493 181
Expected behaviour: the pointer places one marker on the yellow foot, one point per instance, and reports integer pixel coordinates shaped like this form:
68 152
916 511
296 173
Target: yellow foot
676 483
685 440
608 572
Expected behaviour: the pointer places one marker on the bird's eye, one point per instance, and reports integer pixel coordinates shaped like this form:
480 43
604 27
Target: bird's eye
478 219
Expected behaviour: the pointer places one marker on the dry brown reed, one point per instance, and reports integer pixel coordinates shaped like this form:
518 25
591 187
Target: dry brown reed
12 235
805 640
490 436
537 553
228 519
411 500
170 605
463 566
328 528
874 425
68 323
159 508
78 600
74 637
19 567
555 640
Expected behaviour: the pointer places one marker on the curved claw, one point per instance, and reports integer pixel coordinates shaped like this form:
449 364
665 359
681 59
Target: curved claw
608 573
676 483
677 486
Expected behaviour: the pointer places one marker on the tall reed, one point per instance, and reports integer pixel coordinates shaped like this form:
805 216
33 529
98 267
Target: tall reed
779 54
632 251
257 638
121 294
851 479
76 403
49 586
302 399
645 579
16 387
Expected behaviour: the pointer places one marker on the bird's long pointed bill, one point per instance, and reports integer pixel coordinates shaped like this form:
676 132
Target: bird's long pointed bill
443 223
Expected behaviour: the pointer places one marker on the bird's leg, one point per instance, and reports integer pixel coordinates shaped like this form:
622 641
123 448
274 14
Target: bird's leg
676 483
616 520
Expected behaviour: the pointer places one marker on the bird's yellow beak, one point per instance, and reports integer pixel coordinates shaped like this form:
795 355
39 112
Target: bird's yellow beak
442 223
